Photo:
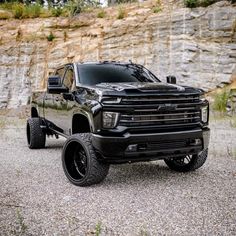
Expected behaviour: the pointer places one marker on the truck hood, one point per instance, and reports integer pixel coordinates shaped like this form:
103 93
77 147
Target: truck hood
140 87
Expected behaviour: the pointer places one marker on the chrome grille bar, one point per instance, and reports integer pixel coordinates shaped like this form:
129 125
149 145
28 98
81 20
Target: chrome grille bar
159 120
166 114
158 99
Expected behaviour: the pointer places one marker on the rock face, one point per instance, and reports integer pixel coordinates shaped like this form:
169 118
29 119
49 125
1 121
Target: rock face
198 46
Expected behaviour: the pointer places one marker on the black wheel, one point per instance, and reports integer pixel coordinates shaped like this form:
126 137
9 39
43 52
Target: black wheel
36 138
187 163
80 162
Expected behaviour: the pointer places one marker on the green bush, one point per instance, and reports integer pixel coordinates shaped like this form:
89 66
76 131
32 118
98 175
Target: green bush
191 3
74 8
220 101
157 9
101 14
6 5
18 10
198 3
57 12
51 37
71 8
32 11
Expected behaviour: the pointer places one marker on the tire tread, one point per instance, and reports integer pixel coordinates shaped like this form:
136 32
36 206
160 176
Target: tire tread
37 136
97 170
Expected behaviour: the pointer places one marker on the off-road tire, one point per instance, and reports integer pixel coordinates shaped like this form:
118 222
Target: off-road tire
93 170
36 137
196 162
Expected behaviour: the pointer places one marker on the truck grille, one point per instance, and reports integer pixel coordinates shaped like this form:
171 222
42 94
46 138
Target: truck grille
161 111
159 145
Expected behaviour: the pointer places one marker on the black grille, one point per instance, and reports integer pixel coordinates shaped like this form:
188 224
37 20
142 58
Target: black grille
160 111
161 145
160 100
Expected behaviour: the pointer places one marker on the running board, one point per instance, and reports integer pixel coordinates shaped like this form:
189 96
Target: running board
59 133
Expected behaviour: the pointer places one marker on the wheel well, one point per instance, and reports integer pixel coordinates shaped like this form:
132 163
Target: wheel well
80 124
34 112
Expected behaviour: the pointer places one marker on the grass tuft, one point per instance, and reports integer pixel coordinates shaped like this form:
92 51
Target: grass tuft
32 11
220 101
56 12
18 10
121 13
157 9
51 37
98 228
101 14
23 226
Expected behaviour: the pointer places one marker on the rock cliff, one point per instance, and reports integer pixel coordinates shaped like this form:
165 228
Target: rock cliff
197 45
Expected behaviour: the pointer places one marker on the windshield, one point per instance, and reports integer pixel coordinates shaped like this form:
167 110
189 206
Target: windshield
91 74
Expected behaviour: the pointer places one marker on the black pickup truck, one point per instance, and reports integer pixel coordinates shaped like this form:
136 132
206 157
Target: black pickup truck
113 112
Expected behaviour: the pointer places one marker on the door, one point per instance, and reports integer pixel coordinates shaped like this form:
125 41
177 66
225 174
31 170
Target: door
51 102
63 113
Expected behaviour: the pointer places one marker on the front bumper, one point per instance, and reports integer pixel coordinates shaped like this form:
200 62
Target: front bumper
150 146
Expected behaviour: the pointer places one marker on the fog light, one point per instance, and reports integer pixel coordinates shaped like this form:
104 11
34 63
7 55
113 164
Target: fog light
132 148
110 119
196 142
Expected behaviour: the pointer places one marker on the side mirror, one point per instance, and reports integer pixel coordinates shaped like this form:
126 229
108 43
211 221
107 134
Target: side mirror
55 86
171 79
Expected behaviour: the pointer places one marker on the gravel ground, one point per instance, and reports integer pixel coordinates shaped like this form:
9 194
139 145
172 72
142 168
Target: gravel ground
135 199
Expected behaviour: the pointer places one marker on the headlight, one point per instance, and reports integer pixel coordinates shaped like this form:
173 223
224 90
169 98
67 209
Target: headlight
202 97
110 119
204 114
111 100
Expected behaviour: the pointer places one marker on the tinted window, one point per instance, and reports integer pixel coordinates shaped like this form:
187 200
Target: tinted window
113 73
68 78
